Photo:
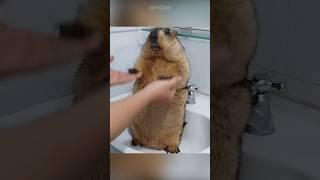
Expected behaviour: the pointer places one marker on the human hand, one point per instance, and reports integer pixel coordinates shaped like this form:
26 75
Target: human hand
118 77
162 91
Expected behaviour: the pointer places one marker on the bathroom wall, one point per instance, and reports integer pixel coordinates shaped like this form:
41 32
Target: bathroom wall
288 47
18 93
126 43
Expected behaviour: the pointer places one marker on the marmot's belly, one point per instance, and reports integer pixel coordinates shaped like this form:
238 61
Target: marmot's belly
155 132
157 124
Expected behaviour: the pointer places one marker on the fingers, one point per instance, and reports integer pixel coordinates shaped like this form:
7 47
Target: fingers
129 77
117 77
175 81
138 75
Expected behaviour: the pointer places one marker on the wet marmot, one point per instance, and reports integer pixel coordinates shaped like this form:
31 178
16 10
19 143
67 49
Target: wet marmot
160 126
235 35
93 69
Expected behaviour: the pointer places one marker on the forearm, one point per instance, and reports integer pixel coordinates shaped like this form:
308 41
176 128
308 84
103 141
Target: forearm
123 112
57 147
25 51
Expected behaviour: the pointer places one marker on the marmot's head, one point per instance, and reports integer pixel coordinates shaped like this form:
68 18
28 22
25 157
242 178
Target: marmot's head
163 41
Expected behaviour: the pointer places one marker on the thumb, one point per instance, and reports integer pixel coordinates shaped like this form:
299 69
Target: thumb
175 81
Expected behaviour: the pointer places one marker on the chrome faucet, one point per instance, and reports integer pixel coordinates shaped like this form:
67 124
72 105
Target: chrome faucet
191 98
260 120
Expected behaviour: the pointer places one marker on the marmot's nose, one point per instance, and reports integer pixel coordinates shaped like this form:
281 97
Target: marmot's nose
153 36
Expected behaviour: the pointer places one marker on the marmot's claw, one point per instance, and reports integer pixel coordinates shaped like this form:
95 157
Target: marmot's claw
164 77
133 71
135 142
184 124
172 149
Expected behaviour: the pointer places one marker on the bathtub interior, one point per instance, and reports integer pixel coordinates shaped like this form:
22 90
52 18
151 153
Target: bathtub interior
195 137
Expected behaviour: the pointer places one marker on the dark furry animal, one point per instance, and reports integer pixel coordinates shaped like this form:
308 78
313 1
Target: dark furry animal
234 44
93 70
160 126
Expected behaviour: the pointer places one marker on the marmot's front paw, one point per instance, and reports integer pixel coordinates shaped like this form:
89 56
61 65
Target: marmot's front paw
172 149
133 71
164 77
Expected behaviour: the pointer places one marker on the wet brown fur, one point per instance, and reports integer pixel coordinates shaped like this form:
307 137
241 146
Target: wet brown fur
159 126
93 70
234 43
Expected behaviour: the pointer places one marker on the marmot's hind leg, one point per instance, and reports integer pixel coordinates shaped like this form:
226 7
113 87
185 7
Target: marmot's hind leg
227 156
172 149
136 142
173 141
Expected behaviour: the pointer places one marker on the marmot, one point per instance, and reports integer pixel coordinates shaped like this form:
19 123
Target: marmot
234 45
93 69
160 126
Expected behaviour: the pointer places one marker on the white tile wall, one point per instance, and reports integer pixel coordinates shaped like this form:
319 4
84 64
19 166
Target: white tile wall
304 38
273 32
198 52
126 46
289 46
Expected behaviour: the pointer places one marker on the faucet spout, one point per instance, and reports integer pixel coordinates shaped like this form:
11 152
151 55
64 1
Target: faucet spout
191 96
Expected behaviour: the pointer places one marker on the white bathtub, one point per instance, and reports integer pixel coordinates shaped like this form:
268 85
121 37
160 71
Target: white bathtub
292 152
195 137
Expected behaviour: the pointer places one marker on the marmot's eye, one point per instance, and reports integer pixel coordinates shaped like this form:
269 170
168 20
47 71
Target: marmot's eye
166 31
